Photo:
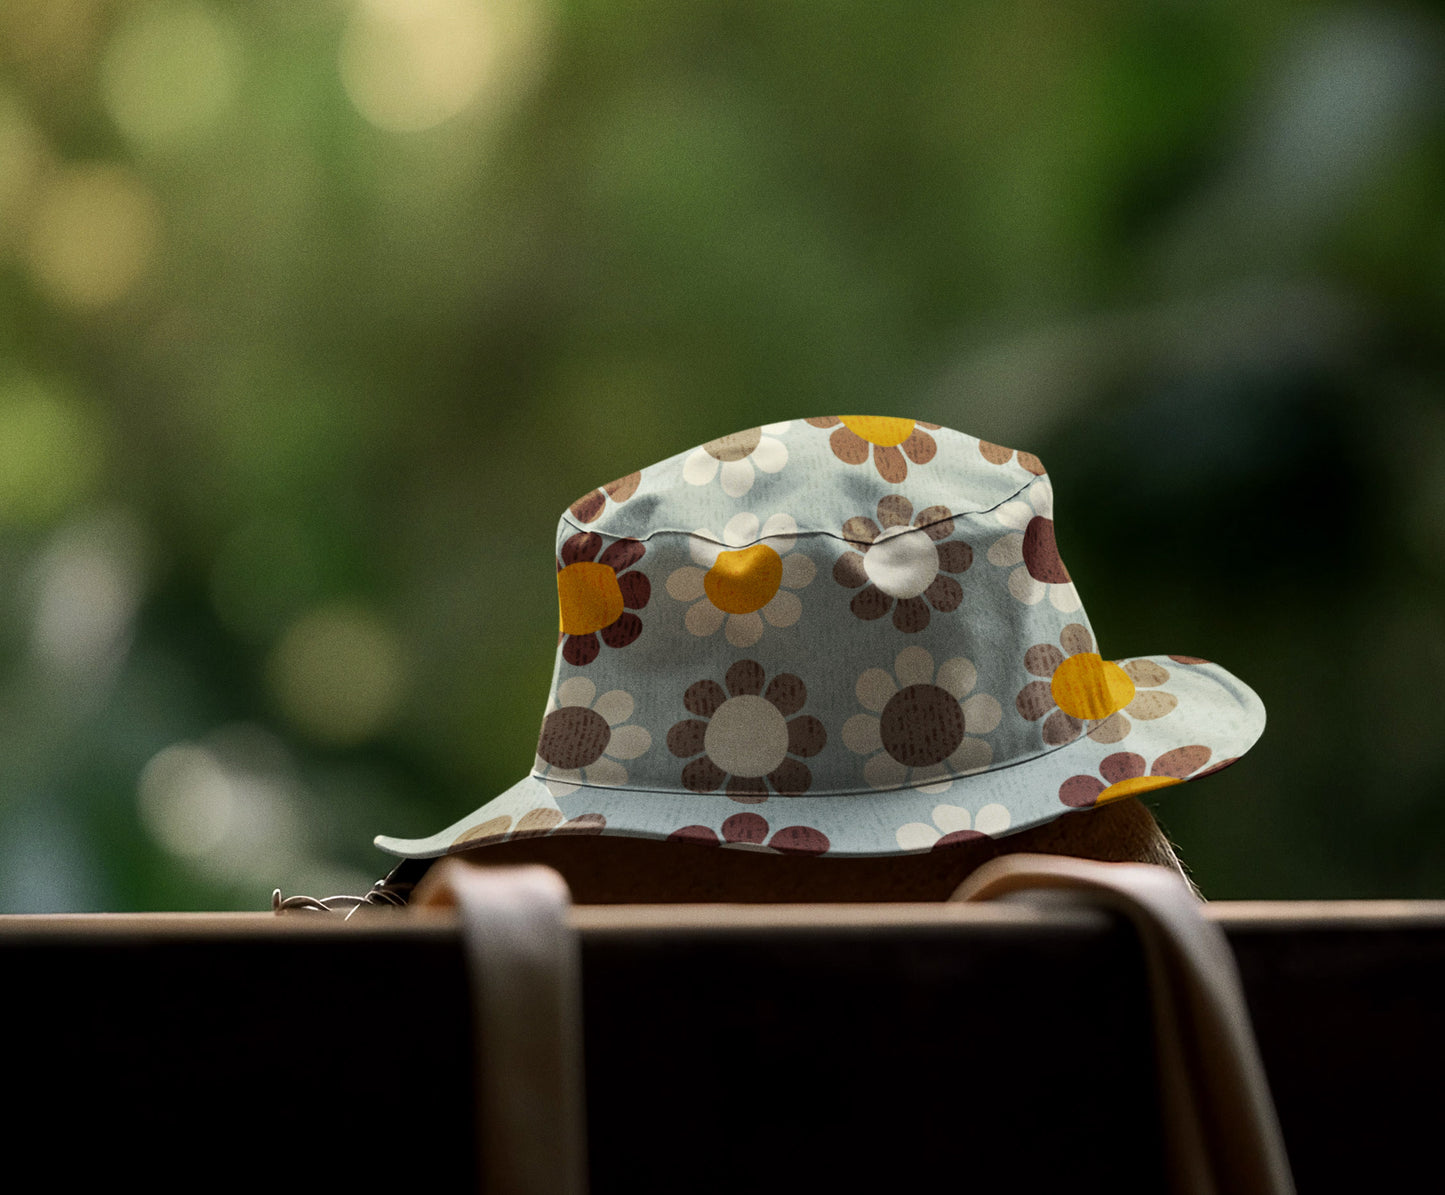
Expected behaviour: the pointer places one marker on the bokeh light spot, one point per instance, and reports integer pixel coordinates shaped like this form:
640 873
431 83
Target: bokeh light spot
169 71
338 674
94 232
186 800
409 65
50 452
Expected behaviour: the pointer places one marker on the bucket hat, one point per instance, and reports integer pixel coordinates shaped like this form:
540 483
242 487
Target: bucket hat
840 636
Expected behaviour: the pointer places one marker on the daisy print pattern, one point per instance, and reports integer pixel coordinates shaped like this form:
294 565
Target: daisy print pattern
1150 701
749 736
923 723
1126 774
598 594
749 831
1029 550
892 442
952 824
733 458
1076 686
744 583
585 738
902 559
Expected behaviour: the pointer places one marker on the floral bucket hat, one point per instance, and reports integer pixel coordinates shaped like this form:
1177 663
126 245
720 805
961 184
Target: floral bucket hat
841 636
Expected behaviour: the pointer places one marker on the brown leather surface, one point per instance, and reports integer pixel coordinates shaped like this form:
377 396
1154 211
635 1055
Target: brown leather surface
617 870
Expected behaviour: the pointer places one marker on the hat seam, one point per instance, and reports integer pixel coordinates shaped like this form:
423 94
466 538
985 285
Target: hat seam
991 770
953 514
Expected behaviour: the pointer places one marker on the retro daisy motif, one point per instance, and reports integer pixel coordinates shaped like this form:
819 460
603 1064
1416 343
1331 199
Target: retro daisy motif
747 736
749 831
891 442
953 824
733 458
586 739
1124 775
535 823
589 507
745 582
598 592
923 725
1030 552
1077 687
1150 701
997 454
903 563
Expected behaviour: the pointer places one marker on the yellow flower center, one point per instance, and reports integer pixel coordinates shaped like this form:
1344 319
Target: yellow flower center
1134 785
1089 687
588 598
882 430
743 581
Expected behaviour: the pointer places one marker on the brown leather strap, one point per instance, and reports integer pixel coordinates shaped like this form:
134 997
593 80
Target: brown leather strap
1222 1133
524 968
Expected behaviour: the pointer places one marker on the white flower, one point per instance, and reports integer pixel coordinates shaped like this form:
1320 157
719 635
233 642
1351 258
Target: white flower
745 580
735 456
950 819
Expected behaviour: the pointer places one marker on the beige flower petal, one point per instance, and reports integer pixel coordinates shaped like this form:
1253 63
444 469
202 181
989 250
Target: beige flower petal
798 570
1064 597
699 468
883 771
992 819
914 666
686 584
605 772
576 690
1025 588
745 629
1076 638
1015 514
1146 673
971 755
981 714
737 477
951 819
861 735
628 742
874 688
703 618
771 455
615 706
784 610
915 836
1152 704
1006 551
1112 729
958 676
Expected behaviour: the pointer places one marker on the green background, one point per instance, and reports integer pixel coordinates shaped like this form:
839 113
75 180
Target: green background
314 316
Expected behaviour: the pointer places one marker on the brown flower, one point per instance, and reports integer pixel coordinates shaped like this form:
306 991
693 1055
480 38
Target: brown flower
905 564
596 594
888 439
997 454
1123 774
747 735
589 507
751 829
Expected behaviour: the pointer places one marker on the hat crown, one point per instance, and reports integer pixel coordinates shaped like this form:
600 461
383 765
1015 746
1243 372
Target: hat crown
822 607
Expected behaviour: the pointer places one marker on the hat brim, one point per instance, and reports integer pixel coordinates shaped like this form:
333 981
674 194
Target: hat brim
1216 718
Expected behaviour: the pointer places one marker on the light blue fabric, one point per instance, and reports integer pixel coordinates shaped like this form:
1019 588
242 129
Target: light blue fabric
921 669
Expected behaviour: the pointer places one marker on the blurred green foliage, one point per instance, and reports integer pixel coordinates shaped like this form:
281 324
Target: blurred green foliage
316 315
